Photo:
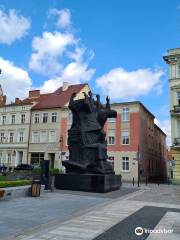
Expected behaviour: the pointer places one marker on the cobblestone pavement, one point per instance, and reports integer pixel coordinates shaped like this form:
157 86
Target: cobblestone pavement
116 216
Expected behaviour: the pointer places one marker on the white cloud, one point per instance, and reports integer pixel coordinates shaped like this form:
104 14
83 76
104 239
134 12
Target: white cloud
74 73
165 125
47 50
61 56
121 84
14 80
64 17
13 26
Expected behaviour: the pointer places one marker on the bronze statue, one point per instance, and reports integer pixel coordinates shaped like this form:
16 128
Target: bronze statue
86 137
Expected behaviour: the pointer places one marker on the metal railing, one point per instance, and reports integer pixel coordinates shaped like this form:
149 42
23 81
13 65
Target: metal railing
177 108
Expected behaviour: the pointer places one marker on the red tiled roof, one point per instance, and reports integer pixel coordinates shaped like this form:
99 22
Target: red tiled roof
58 98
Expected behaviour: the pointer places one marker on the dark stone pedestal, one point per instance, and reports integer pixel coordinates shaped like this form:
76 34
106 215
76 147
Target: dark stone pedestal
88 182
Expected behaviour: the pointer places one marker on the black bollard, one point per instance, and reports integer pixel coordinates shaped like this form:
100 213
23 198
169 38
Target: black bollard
133 181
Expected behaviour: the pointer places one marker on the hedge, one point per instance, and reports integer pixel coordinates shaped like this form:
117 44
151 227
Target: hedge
4 184
3 178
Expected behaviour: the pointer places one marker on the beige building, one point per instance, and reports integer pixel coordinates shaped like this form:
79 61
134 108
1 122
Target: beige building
47 128
14 131
173 60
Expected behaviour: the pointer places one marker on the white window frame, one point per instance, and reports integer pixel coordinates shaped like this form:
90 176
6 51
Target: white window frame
125 114
43 136
9 158
3 119
111 138
21 137
11 137
23 118
2 137
52 139
54 117
45 117
125 160
36 118
111 120
35 137
125 137
13 119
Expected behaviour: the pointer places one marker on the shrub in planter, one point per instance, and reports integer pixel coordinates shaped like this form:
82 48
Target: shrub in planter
36 171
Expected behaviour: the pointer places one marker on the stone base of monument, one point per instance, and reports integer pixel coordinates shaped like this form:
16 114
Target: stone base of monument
88 182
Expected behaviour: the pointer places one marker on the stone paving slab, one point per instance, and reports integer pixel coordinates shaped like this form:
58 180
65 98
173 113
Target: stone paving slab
171 221
99 220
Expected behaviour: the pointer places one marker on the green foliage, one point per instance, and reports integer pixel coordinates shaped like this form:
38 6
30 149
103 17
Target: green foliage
36 171
3 178
54 170
4 184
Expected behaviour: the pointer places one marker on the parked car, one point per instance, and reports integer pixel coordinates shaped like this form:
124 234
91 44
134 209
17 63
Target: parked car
24 167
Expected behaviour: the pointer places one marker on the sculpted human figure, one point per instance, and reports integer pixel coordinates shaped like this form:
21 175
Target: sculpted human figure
86 137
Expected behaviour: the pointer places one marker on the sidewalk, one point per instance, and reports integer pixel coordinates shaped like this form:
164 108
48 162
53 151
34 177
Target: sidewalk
119 216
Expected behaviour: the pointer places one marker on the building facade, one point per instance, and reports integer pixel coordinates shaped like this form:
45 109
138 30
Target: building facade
136 146
48 130
173 61
14 131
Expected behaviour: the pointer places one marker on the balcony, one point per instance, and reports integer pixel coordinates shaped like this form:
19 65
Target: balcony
177 142
177 108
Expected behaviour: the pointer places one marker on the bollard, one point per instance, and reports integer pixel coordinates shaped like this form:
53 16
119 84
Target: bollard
133 181
146 180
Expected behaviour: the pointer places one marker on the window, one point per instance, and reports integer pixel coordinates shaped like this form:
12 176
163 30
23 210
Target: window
23 118
2 138
1 159
125 137
36 118
111 138
125 114
35 137
9 158
178 97
125 163
54 117
111 120
3 120
13 119
21 137
52 136
43 136
11 137
45 117
36 158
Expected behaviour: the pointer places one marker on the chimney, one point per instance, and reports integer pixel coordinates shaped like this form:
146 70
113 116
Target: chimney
65 86
34 93
2 100
17 101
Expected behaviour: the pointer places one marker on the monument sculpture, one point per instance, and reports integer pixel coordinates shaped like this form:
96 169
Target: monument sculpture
87 168
86 137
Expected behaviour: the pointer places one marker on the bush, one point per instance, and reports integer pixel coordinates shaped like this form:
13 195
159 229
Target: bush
4 184
36 171
3 178
54 170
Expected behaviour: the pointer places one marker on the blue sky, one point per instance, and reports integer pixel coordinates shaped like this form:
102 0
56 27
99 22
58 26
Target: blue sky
116 46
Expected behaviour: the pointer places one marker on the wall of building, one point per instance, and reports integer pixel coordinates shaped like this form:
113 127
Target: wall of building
14 152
